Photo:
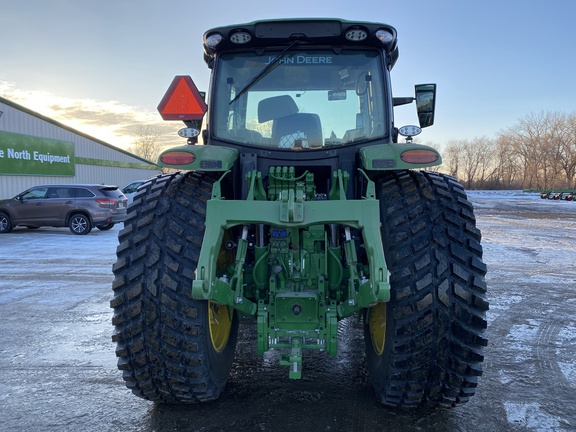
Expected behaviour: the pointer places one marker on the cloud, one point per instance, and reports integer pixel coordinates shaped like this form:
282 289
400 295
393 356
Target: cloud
110 121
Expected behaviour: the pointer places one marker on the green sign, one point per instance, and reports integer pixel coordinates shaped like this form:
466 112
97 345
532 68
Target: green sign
23 154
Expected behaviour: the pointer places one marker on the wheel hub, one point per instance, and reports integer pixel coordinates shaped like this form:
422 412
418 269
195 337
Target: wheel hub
377 325
219 323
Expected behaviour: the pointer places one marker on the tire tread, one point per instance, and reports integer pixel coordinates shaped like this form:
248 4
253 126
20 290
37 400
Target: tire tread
433 351
160 330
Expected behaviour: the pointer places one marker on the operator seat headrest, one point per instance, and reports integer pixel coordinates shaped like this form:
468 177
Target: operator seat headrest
306 126
276 107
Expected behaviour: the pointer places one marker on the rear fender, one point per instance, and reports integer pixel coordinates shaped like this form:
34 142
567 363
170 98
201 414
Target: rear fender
392 156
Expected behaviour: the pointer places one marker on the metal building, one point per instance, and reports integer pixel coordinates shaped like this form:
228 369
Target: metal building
35 150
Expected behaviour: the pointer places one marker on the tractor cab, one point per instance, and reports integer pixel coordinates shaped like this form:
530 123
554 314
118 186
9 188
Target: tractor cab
317 85
300 99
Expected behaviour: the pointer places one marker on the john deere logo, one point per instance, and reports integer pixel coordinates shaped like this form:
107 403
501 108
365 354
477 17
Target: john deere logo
304 59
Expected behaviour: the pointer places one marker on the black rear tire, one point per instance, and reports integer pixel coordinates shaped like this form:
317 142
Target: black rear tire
170 346
105 227
425 345
5 223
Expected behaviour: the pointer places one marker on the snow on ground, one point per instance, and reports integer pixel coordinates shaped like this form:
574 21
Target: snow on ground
54 251
529 248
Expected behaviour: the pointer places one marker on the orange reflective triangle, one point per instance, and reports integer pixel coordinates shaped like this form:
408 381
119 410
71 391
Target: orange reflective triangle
182 101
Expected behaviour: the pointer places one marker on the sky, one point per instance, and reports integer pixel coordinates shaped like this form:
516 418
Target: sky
103 67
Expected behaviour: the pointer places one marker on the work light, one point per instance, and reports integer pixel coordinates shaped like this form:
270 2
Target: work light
240 37
385 36
213 40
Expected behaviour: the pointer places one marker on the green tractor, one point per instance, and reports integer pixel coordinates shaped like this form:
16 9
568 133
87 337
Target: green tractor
300 209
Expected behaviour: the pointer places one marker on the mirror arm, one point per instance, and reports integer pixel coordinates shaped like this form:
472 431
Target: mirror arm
397 101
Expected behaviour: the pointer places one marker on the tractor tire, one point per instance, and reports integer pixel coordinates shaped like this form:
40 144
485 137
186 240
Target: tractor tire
171 347
424 347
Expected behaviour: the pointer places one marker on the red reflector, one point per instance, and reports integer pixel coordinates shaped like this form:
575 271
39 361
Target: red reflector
182 101
419 156
178 158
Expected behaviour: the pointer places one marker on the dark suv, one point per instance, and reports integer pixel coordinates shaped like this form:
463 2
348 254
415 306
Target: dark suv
79 207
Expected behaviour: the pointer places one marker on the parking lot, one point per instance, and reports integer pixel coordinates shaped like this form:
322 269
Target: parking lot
59 368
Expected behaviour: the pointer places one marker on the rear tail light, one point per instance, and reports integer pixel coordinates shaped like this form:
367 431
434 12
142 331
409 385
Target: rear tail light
419 156
177 158
107 202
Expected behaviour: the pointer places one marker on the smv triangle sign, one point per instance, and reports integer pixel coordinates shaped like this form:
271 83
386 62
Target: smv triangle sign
182 101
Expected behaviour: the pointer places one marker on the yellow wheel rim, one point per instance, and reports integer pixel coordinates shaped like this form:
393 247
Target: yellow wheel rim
377 325
219 323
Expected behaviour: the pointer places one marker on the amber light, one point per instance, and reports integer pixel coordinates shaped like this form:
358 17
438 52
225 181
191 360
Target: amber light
178 158
419 156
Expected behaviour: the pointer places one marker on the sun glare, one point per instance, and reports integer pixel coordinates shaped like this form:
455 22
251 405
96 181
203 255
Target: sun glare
109 121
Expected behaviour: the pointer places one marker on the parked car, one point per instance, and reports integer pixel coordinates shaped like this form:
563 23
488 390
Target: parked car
130 189
79 207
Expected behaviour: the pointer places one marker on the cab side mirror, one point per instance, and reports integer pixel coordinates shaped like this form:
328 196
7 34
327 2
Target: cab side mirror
425 103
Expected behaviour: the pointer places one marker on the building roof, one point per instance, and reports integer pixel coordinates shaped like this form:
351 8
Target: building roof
68 128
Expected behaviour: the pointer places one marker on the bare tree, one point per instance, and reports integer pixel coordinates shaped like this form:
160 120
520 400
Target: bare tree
539 152
471 162
552 148
525 139
452 156
542 144
146 145
485 149
507 166
567 149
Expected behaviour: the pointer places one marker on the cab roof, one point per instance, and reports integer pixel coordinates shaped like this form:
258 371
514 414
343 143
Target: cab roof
301 32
